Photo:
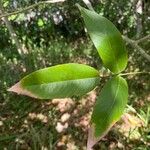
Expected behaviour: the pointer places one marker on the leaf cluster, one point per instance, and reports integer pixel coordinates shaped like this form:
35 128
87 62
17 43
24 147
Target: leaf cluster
74 79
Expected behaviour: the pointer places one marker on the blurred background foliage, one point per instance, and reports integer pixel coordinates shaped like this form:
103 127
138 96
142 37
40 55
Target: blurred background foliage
52 34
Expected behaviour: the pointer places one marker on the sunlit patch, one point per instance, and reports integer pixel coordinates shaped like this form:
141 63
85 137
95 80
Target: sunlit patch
130 125
38 116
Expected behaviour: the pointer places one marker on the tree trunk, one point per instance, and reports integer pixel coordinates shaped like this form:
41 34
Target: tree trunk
138 17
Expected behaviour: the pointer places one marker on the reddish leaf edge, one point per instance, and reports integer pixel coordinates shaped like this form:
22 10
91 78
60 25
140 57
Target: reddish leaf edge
92 139
17 88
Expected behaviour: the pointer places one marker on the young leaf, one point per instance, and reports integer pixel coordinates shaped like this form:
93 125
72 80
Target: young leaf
107 39
109 107
59 81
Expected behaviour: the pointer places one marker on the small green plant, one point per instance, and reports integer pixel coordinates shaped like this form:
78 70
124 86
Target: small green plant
72 79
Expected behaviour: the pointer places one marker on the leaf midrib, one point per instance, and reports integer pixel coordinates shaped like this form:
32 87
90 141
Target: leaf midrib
59 81
114 100
109 42
105 33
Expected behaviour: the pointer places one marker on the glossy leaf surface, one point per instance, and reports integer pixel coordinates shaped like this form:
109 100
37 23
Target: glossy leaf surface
110 105
107 40
59 81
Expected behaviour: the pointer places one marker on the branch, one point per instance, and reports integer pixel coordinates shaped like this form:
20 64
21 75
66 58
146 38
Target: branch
136 46
143 39
21 10
13 35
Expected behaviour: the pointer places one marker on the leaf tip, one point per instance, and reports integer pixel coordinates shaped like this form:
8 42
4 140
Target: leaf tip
15 88
79 7
92 140
20 90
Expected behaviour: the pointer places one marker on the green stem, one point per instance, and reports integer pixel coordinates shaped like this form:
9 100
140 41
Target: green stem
133 73
123 74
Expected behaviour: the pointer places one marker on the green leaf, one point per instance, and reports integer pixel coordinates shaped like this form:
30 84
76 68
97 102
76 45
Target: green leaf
40 22
109 106
59 81
12 17
6 4
107 39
